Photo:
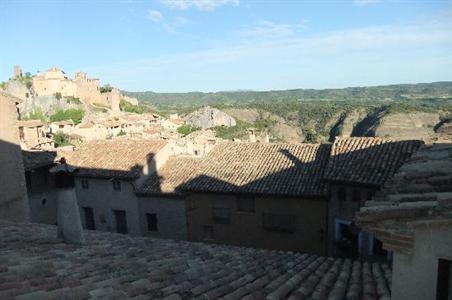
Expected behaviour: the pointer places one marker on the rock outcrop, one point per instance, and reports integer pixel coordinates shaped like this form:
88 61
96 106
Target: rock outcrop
208 117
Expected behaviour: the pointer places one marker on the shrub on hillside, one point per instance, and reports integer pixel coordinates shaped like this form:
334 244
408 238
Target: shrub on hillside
128 107
75 115
186 129
60 139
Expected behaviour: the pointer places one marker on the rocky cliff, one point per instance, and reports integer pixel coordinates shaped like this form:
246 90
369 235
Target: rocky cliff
208 117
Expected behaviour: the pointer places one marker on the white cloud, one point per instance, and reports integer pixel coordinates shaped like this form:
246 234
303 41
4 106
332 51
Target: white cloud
155 16
199 4
269 30
365 2
167 25
391 49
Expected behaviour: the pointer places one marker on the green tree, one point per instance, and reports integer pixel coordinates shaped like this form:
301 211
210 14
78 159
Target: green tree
186 129
75 115
60 139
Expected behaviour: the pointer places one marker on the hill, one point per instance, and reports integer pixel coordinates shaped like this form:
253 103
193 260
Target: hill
399 111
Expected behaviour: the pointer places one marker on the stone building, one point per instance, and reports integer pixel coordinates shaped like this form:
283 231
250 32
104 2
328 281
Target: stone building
109 172
13 194
161 205
357 169
65 127
90 130
32 135
87 89
413 218
41 190
260 195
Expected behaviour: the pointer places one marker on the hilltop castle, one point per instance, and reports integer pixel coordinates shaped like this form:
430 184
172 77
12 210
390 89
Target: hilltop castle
88 90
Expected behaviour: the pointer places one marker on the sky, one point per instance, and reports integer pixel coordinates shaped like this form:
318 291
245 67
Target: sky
218 45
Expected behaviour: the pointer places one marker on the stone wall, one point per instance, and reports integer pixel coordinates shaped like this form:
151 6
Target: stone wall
246 228
101 196
42 195
171 217
415 276
13 195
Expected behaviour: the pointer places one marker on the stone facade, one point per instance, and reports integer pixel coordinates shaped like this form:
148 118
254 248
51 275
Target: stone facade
13 193
86 89
104 197
278 222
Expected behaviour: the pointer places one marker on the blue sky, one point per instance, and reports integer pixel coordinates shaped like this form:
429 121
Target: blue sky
213 45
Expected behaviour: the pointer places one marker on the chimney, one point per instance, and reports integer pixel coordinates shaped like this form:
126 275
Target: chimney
68 214
252 135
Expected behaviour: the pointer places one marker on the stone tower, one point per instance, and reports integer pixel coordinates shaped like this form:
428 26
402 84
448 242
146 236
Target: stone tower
17 72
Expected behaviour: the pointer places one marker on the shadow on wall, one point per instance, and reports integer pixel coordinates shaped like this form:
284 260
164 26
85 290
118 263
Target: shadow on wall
13 196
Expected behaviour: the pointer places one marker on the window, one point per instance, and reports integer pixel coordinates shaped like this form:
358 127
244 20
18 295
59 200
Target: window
221 215
444 282
89 218
43 201
85 184
116 185
121 221
370 195
152 222
279 222
356 195
245 204
61 126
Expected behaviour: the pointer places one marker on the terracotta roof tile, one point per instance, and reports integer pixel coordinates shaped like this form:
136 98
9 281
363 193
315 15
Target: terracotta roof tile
367 160
34 264
176 171
281 169
118 157
37 159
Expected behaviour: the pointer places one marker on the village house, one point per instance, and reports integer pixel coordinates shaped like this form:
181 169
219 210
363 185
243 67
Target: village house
109 172
413 218
260 195
90 130
13 194
32 135
357 169
65 127
161 205
41 190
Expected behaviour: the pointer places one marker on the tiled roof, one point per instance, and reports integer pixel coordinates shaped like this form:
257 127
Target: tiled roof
37 159
367 160
419 194
118 157
278 169
36 265
176 171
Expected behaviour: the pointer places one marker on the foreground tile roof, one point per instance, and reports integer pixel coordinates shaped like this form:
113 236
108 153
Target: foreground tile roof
37 159
116 158
36 265
419 194
367 160
176 171
279 169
